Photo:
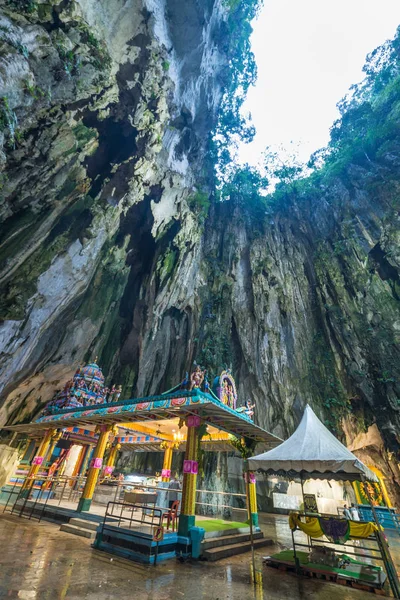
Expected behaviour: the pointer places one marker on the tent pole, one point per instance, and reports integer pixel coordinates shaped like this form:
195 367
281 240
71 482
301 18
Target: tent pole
302 489
387 558
247 478
304 506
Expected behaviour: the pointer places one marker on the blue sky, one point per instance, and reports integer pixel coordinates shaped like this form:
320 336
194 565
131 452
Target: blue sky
308 54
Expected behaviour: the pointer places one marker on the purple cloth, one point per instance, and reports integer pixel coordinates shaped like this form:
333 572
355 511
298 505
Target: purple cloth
336 530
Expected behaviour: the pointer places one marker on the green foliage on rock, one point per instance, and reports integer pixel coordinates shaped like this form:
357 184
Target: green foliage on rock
9 123
199 203
242 73
25 6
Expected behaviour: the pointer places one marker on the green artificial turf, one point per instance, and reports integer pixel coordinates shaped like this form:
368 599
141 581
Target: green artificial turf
219 524
287 556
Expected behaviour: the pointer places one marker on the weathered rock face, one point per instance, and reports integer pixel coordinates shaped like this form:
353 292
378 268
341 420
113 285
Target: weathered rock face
305 306
106 108
106 247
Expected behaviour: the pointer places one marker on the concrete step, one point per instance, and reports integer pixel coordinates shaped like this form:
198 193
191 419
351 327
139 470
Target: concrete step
84 523
226 540
223 532
232 549
86 533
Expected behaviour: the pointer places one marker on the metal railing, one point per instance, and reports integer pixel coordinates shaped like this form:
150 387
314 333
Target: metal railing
66 491
225 503
32 494
122 515
376 546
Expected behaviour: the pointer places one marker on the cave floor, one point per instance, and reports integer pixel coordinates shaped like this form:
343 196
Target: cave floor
40 562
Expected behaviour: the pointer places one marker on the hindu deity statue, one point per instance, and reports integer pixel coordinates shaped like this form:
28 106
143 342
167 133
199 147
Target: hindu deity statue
197 378
224 389
249 409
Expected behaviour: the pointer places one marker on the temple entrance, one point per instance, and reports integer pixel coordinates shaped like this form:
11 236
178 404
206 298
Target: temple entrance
71 463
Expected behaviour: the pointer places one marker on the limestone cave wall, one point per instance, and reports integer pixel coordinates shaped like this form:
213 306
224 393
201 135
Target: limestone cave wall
109 245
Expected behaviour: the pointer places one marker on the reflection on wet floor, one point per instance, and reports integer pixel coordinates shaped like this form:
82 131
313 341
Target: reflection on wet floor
38 562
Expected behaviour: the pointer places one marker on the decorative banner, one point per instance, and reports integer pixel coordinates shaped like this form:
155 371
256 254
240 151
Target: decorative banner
108 470
193 421
310 503
187 466
37 460
96 463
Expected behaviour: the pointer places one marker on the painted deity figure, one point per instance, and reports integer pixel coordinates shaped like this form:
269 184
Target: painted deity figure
230 395
117 394
225 392
249 409
197 378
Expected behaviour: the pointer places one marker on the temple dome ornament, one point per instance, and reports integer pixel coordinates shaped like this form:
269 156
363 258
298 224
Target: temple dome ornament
86 388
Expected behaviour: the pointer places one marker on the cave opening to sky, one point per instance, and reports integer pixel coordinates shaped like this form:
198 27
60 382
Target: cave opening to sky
308 55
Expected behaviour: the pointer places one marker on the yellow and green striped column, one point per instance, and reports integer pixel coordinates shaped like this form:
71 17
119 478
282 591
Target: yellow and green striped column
111 459
252 508
95 467
39 458
190 470
166 469
53 444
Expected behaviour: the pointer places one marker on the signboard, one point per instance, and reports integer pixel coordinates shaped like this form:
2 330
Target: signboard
310 503
158 533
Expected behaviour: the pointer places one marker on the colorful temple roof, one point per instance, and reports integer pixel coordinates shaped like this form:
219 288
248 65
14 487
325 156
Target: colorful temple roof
86 388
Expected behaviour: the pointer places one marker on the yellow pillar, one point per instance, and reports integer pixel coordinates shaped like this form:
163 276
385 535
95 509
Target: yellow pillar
252 508
39 458
190 469
53 444
85 460
95 466
111 459
166 470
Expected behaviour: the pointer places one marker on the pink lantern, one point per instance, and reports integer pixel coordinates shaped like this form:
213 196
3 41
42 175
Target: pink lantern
193 421
96 463
37 460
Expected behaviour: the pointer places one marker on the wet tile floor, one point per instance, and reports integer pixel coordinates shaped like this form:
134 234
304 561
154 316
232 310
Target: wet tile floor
38 562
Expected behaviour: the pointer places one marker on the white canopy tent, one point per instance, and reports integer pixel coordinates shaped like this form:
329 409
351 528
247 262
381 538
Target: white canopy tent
314 452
